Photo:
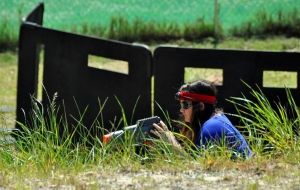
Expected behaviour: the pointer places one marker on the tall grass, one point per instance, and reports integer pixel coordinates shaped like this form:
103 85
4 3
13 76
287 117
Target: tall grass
272 127
263 24
138 30
198 30
120 28
8 37
46 144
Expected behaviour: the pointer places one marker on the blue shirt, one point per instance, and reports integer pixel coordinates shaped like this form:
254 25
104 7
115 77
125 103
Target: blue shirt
219 129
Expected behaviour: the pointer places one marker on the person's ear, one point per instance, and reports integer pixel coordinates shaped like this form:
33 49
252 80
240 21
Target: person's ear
201 106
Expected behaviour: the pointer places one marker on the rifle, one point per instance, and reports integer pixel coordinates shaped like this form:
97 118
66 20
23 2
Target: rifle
140 130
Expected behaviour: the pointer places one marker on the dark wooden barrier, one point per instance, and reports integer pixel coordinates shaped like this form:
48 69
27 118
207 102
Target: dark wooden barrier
66 72
237 66
81 87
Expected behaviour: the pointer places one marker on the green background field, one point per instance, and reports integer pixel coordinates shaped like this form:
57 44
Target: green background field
64 14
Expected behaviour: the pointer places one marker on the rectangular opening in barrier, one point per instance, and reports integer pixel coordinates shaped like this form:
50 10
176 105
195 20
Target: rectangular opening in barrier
40 72
212 75
280 79
113 65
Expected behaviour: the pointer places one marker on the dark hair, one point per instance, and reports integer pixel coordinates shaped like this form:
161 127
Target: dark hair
201 87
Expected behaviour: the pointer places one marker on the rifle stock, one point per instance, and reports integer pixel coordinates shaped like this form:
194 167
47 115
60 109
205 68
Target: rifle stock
140 129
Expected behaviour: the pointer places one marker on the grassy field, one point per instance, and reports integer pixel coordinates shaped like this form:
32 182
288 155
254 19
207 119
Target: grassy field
39 161
164 19
8 83
72 13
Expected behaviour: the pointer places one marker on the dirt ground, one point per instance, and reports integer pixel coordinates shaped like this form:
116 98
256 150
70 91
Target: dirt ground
198 180
269 178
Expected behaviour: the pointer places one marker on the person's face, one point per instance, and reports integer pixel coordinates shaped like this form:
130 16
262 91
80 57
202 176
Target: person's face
186 109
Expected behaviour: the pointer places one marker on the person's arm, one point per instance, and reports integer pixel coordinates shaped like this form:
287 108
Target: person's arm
162 132
210 133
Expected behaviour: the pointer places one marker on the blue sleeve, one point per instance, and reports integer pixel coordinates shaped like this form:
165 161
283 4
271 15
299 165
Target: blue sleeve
211 132
220 130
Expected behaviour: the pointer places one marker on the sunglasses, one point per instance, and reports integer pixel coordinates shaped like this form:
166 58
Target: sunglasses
185 105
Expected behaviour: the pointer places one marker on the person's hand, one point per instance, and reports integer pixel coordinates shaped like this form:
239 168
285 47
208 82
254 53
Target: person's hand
162 132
